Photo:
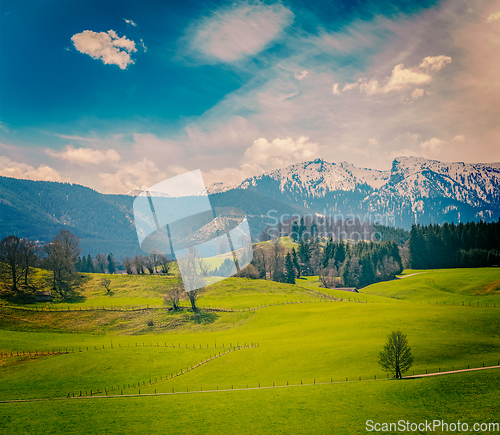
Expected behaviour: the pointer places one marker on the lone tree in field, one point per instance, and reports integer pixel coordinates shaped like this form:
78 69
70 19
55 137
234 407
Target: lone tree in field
396 356
174 295
105 282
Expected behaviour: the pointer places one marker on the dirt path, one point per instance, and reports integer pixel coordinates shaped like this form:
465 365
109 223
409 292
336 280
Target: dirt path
411 274
452 371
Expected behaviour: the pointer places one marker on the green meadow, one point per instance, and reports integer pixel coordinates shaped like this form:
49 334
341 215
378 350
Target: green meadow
293 358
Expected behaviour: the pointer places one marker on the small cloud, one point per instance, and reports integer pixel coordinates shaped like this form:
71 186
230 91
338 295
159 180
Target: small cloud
434 63
9 168
106 46
417 93
459 138
335 89
433 146
237 32
143 46
373 142
301 75
81 156
493 17
350 86
130 22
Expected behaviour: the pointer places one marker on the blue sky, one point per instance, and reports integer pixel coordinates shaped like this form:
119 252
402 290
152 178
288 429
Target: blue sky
119 95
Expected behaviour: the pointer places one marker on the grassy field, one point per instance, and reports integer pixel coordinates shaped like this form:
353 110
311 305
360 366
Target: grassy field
291 334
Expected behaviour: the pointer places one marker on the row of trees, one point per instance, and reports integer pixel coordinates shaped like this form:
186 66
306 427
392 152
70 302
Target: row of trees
99 264
336 263
19 258
152 263
449 245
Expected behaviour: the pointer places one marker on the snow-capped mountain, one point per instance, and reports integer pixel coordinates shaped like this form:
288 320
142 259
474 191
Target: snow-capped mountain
413 190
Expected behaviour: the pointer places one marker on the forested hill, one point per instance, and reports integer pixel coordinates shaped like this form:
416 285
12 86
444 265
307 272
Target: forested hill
105 223
39 209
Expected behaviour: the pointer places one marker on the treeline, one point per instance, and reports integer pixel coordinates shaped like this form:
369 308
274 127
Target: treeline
19 258
336 263
449 245
152 263
99 264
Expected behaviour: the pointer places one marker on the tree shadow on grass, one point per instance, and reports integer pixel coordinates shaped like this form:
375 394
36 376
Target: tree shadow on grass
203 318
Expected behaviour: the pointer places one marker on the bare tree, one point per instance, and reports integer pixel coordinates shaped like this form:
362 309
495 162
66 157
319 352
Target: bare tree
396 356
387 268
328 275
30 254
11 261
165 263
174 295
404 253
149 263
139 264
129 265
276 261
106 282
61 259
193 296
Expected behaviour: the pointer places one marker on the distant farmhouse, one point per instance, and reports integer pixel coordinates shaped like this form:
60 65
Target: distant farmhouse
43 296
348 289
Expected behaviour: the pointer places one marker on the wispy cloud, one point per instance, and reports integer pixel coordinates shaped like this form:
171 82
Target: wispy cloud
85 156
231 34
130 22
493 17
106 46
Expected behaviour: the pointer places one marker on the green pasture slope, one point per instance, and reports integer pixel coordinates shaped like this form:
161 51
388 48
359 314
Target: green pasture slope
276 334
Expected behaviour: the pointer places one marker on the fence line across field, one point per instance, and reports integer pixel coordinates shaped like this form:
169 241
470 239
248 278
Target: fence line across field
325 298
105 392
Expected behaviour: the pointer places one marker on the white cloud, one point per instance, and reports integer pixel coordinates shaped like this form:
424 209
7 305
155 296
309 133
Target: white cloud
279 152
335 89
434 63
263 156
9 168
402 77
130 22
459 138
417 93
373 142
301 75
493 17
141 43
106 46
140 175
85 155
240 31
350 86
432 147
